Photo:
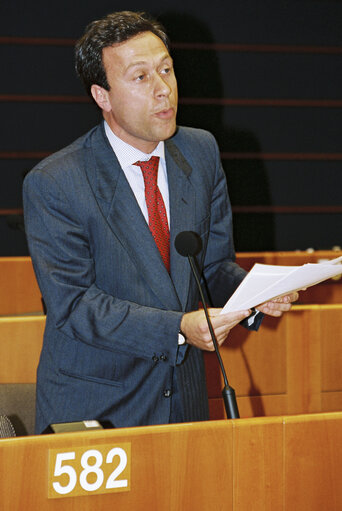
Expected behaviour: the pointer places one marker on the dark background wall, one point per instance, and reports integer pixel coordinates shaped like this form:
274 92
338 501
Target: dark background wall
264 76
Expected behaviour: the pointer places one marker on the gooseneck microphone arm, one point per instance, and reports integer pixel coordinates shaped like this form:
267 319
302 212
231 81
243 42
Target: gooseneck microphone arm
212 333
188 244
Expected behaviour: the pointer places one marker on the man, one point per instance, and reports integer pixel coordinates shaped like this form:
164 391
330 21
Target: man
120 300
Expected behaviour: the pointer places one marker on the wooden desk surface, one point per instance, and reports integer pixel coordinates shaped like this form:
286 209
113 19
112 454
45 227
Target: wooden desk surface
289 463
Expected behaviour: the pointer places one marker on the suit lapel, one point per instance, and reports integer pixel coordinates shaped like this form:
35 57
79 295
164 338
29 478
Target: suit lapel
122 212
182 214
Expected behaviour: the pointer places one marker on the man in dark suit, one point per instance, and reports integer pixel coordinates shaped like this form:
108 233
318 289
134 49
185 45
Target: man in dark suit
124 339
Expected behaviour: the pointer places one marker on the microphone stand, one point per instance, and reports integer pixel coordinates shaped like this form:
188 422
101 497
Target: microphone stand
228 393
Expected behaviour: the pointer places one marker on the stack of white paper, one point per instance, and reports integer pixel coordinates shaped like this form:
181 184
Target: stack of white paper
265 282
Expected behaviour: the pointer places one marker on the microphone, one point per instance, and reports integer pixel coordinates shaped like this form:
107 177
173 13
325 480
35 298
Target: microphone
189 244
6 427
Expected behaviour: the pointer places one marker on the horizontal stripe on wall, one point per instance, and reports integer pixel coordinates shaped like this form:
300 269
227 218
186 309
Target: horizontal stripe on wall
259 48
37 41
6 212
246 210
23 155
262 102
33 155
287 209
40 98
282 156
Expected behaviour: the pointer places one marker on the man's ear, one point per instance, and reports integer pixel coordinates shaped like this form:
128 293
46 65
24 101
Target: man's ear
100 96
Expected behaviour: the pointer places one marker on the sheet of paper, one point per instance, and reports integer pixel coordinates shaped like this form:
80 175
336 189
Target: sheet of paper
334 261
265 282
260 277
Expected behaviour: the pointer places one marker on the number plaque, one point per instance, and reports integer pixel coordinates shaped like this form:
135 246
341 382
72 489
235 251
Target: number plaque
89 470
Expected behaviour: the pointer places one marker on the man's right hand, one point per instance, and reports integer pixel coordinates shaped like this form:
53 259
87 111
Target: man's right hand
195 328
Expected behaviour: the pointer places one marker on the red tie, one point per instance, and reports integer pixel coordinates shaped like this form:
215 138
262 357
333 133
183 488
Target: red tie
157 218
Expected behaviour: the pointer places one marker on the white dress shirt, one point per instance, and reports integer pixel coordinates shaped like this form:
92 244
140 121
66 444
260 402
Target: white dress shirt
127 156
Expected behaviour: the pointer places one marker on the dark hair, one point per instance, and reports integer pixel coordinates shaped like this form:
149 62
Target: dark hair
113 28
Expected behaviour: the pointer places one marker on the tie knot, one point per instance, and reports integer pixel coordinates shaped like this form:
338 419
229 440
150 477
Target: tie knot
149 168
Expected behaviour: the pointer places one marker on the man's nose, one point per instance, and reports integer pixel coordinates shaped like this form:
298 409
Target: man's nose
162 87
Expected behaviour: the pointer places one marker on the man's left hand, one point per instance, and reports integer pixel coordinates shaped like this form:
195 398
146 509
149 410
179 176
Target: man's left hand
278 306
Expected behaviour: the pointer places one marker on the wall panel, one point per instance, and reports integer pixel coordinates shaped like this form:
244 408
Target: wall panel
264 77
290 366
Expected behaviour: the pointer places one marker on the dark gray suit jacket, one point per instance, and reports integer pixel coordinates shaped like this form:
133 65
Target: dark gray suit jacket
113 312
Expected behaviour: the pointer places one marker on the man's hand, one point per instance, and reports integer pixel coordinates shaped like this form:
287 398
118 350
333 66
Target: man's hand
195 328
278 306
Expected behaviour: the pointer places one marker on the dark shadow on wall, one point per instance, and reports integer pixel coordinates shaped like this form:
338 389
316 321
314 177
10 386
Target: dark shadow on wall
200 76
12 230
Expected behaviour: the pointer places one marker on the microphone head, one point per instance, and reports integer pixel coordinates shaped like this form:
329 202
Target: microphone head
6 427
188 243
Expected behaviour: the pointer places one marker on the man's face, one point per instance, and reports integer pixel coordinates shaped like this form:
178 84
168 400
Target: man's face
141 105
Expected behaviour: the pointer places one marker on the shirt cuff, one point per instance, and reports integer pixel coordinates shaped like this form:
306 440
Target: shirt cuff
252 317
181 339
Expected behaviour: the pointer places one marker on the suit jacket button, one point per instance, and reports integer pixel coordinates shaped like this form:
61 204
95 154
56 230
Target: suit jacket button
155 358
163 357
167 393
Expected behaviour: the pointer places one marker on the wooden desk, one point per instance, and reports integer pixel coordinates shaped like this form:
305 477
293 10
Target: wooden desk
19 292
273 464
291 365
21 340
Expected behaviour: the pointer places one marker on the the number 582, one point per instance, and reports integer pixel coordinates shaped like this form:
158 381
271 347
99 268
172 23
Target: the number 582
84 471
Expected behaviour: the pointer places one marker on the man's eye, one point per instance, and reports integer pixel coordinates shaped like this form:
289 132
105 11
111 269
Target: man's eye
166 70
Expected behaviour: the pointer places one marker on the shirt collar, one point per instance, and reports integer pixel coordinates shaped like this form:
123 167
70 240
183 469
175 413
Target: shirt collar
127 154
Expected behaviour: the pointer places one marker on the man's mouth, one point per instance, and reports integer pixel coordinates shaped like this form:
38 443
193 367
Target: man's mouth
167 113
